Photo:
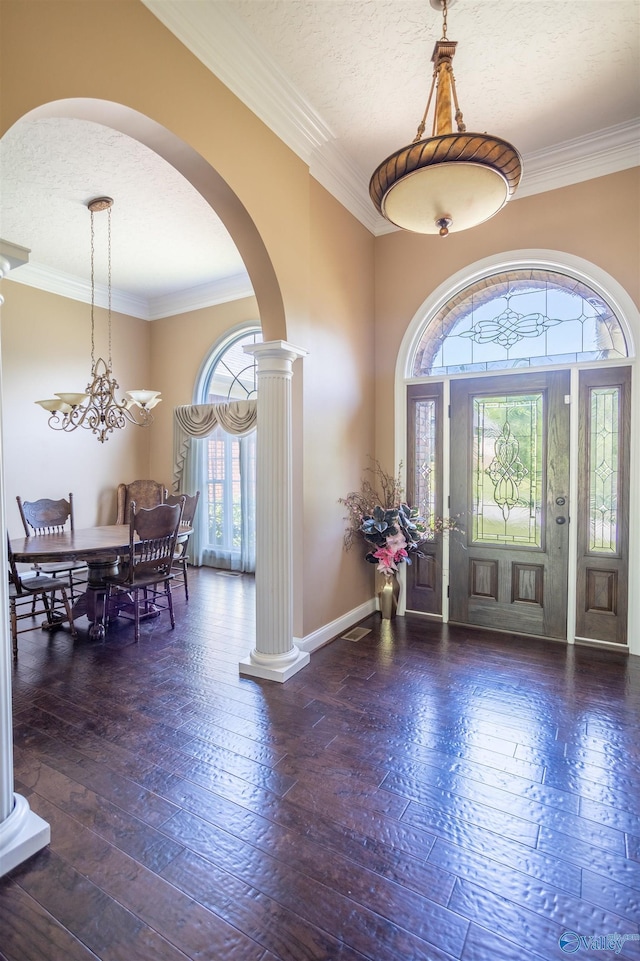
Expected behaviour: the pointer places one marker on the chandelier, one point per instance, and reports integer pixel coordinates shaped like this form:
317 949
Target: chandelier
97 409
449 181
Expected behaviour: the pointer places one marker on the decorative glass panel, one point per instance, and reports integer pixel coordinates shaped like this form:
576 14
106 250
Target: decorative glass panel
424 481
604 469
233 375
519 318
508 470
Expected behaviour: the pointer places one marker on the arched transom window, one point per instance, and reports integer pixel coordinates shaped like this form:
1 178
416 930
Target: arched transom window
519 318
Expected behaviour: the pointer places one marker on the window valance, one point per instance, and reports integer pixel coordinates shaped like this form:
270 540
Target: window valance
199 420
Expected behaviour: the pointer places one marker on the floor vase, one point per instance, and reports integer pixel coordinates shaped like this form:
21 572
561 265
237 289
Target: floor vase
388 597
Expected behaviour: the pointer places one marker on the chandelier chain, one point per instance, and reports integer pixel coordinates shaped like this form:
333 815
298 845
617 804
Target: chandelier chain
444 19
93 287
109 280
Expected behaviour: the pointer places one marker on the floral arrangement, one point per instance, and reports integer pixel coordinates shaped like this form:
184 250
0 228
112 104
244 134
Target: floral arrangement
377 513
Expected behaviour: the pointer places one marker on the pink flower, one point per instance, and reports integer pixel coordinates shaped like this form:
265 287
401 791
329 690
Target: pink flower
386 560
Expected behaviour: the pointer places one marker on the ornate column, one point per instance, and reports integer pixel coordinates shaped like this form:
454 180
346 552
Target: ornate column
22 832
275 656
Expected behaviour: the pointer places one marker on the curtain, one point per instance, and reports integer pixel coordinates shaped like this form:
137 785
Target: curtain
193 423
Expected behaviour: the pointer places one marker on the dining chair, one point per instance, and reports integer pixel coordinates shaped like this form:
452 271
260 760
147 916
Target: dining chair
145 493
134 592
180 556
47 516
37 591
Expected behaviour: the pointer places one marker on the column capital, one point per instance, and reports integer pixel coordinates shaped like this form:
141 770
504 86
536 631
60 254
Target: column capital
274 354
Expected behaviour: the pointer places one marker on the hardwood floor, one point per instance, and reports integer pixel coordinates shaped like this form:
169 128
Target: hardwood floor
419 795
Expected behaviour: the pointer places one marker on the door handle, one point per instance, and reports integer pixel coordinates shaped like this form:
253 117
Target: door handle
561 520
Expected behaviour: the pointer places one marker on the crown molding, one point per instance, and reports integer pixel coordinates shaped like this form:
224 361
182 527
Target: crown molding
205 295
220 40
75 288
604 152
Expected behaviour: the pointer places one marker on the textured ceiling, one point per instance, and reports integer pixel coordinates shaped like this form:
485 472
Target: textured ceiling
344 82
161 226
524 68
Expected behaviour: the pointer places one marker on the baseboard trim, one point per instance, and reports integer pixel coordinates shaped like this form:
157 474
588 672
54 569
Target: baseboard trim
311 642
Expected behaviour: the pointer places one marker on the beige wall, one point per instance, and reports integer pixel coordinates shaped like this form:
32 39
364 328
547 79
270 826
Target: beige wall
179 345
46 347
338 401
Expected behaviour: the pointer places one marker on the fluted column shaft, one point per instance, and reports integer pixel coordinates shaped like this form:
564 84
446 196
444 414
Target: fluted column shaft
275 656
22 832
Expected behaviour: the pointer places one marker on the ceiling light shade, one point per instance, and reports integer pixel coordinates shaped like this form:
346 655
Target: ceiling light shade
449 181
98 409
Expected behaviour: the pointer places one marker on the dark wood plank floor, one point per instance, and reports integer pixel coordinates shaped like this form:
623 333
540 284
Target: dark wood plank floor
419 795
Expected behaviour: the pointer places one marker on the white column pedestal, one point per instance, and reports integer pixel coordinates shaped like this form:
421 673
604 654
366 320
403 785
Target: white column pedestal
22 832
275 656
274 667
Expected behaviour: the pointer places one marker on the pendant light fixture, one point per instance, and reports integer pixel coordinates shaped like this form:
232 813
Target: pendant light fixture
449 181
97 409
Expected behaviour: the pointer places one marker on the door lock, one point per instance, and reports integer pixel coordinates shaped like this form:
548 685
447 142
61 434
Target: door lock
560 501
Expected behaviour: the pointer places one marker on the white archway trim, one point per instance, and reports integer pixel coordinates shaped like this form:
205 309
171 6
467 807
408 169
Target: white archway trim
625 310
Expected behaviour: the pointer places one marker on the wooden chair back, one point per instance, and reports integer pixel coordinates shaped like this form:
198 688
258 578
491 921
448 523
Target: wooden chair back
190 506
46 516
153 533
145 493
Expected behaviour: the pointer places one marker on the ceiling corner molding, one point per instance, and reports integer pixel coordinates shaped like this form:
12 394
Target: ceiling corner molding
219 39
75 288
337 174
56 282
206 295
605 152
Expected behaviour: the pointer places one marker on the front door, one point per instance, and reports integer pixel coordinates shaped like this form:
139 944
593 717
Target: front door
510 489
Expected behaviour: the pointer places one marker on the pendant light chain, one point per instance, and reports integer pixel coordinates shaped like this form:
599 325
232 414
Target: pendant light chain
93 288
109 281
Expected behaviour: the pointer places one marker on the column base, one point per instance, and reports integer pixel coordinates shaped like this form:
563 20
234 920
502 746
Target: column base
23 834
274 667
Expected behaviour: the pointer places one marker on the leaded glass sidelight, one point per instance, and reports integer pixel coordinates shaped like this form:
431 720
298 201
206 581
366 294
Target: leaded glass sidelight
604 469
425 460
508 470
519 318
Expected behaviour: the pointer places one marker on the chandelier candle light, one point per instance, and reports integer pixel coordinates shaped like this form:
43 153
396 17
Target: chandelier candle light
97 409
449 181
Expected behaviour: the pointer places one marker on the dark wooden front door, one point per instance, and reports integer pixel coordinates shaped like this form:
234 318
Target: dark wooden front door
510 488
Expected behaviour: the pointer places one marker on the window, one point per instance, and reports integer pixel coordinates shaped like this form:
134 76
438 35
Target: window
228 465
519 318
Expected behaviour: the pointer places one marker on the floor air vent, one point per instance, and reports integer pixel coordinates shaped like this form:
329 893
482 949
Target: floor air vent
356 634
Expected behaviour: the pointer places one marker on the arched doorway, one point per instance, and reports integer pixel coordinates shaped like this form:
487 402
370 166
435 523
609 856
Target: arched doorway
518 404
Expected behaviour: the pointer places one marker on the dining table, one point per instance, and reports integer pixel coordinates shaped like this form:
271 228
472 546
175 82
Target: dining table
100 548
